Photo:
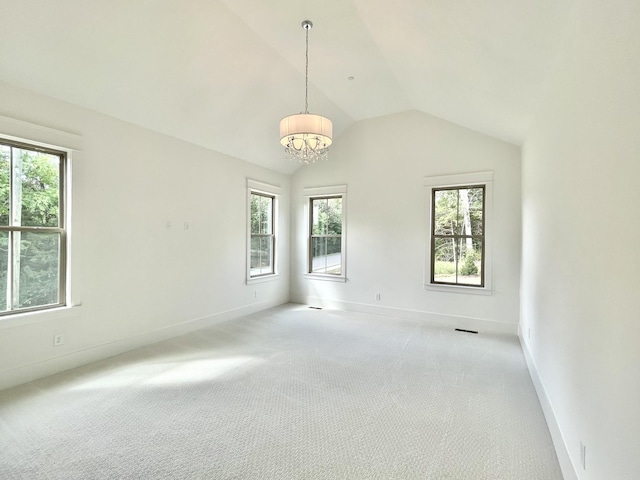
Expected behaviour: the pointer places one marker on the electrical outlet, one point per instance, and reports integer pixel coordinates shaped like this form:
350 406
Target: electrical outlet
255 294
58 340
583 456
377 296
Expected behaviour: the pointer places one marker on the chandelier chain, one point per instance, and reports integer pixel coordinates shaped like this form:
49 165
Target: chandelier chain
306 73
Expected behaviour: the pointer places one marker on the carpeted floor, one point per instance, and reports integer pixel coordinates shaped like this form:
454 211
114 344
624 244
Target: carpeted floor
290 393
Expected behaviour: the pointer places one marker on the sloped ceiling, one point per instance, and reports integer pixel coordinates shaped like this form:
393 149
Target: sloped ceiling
222 73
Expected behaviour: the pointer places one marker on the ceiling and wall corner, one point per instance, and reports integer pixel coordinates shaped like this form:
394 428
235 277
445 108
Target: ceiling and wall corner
222 73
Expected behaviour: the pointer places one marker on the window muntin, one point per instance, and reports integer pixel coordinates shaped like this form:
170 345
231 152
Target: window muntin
457 236
32 227
262 241
325 235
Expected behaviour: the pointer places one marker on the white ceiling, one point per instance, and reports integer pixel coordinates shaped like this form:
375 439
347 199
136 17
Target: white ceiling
222 73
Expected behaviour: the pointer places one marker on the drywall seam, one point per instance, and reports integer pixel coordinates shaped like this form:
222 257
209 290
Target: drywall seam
33 371
566 465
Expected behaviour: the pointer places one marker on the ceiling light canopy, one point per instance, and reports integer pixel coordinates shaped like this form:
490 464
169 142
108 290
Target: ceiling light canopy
306 137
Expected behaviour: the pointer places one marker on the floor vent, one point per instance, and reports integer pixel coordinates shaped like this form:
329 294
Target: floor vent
466 331
316 308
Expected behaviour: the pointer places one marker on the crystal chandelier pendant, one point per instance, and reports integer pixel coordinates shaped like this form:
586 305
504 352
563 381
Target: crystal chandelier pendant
306 137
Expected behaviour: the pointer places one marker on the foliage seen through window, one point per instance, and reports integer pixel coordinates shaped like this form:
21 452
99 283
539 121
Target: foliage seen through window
262 237
457 239
31 233
326 235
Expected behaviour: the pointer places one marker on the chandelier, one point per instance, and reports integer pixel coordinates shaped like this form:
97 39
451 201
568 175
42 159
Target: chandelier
306 137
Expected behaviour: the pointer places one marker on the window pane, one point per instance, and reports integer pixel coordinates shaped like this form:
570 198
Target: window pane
445 260
255 213
470 207
5 184
318 223
267 216
334 216
266 247
36 188
446 212
327 216
4 269
326 255
37 266
255 255
470 261
458 261
261 256
261 214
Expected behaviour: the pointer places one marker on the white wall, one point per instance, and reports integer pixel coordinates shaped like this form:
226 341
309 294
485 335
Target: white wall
581 261
383 163
138 281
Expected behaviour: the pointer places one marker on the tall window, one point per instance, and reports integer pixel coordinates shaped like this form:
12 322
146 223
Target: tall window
262 254
325 236
457 235
32 227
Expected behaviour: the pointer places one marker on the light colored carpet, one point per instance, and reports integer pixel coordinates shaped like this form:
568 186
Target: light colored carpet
290 393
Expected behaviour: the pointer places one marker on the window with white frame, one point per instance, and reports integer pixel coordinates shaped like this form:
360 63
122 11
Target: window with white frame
33 232
262 200
458 254
326 231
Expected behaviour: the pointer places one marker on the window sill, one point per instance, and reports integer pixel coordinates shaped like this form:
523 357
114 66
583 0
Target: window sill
262 279
327 278
27 318
459 289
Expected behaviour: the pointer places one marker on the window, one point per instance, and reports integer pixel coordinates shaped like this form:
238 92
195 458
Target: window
262 238
327 232
33 238
262 230
459 213
457 236
326 236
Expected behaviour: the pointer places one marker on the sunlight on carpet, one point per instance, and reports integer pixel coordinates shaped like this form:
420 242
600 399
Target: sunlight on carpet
289 393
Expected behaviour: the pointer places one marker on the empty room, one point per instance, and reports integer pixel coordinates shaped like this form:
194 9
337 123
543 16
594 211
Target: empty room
319 240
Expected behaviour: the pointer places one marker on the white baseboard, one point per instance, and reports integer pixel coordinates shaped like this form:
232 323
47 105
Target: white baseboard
568 470
33 371
431 318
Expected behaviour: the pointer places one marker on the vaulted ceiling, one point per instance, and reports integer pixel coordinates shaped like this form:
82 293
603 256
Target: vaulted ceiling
222 73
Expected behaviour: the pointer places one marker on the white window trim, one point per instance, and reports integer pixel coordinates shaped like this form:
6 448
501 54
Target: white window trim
313 192
460 180
254 186
72 144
